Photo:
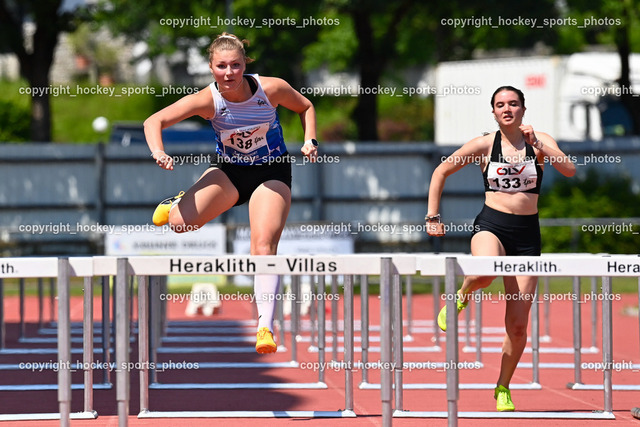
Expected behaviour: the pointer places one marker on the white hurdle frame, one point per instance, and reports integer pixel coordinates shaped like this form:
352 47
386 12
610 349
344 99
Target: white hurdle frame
62 269
389 267
482 266
399 350
347 266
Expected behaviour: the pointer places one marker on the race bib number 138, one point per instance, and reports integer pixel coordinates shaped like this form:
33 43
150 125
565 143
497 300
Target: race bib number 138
246 139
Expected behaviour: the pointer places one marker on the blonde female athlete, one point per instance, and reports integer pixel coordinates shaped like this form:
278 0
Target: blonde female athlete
512 161
252 161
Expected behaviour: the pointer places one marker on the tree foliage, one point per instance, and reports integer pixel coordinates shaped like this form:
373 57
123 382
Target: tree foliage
380 38
274 29
14 121
593 195
35 55
375 39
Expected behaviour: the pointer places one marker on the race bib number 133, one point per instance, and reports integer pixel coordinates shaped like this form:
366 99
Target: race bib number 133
512 178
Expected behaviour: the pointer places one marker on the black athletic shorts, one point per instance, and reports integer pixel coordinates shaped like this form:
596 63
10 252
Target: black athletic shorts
519 234
247 178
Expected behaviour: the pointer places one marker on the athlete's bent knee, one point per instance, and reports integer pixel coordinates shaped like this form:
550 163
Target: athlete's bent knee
482 281
263 249
181 228
517 330
178 225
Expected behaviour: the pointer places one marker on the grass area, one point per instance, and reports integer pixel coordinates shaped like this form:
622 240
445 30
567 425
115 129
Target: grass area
333 120
420 285
557 285
11 92
72 117
75 106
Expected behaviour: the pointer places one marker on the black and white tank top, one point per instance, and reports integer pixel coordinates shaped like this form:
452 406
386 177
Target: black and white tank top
524 177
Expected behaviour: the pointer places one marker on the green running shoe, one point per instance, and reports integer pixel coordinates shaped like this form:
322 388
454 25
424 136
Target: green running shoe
503 399
442 316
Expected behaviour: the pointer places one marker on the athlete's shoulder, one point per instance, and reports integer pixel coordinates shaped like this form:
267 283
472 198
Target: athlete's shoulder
482 142
266 80
204 101
272 85
544 136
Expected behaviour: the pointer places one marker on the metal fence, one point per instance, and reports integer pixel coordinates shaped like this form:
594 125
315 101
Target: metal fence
361 184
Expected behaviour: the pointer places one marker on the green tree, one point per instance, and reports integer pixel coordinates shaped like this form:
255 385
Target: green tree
376 25
274 28
14 121
379 38
594 195
35 57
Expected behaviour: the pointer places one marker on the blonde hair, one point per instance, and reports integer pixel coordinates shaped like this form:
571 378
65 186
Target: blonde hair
226 41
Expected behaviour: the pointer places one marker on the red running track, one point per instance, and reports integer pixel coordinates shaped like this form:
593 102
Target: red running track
554 396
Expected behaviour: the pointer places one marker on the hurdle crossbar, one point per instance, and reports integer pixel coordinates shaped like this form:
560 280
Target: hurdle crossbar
62 269
391 329
346 266
604 266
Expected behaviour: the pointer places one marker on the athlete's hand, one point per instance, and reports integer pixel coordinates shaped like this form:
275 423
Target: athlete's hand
310 151
528 134
435 228
163 160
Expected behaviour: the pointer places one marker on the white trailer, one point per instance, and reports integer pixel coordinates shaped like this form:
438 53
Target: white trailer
572 98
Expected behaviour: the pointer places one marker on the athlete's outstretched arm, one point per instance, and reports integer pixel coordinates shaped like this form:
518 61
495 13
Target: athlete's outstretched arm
197 104
474 151
281 93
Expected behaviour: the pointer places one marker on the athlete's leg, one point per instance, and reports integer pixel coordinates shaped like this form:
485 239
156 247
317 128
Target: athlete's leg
210 196
483 243
520 291
268 210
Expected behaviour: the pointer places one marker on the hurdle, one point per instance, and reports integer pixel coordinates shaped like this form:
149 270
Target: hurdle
347 266
423 262
605 266
62 269
535 349
51 330
577 349
389 268
579 385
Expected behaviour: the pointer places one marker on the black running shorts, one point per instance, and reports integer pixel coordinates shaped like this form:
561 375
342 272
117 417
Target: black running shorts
247 178
519 234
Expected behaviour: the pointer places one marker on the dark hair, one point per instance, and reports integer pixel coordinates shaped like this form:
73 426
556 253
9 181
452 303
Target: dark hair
511 89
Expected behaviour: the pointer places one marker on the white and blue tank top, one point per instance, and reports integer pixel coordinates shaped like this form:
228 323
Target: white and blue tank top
248 132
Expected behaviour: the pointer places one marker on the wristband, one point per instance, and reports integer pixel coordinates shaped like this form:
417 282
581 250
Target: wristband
312 141
538 144
432 217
